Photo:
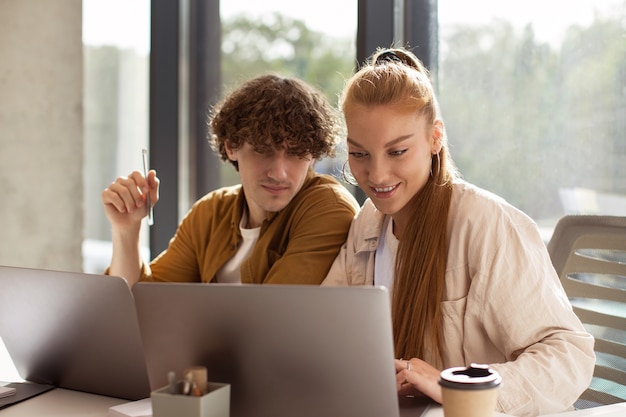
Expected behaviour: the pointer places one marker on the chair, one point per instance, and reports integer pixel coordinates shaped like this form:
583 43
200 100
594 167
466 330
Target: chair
589 254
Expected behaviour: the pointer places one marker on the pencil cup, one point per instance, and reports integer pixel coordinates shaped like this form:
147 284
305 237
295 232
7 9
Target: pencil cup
215 403
469 392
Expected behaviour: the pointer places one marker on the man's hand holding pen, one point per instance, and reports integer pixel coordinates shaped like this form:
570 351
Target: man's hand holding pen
126 199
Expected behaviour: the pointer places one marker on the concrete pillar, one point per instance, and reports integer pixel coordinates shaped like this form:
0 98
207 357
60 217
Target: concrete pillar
41 134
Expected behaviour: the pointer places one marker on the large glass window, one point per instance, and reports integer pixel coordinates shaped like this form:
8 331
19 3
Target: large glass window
116 42
315 42
533 95
275 35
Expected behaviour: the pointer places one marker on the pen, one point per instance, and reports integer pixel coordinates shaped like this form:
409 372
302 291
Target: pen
171 379
188 383
194 382
199 377
144 154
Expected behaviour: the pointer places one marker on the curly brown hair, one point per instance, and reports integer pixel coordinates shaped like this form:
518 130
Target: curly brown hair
273 112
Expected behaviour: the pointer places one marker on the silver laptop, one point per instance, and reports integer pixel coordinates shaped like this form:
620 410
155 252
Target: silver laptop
285 350
72 330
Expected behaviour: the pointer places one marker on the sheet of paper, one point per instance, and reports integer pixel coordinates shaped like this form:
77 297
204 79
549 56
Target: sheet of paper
141 408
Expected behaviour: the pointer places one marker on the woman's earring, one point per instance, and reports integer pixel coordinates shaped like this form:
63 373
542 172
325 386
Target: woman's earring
438 165
347 176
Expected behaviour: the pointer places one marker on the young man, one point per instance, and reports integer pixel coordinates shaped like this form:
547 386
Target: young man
283 224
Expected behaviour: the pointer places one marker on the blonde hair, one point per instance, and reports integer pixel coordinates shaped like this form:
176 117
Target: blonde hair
397 77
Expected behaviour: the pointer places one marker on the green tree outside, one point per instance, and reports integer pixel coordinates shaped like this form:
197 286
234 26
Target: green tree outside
525 119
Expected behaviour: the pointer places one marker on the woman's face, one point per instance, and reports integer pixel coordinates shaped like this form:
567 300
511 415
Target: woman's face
390 150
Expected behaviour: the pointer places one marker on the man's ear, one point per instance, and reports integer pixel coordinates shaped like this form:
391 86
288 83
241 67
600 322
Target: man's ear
232 153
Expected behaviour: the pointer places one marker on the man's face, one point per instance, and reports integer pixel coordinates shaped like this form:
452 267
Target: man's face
270 180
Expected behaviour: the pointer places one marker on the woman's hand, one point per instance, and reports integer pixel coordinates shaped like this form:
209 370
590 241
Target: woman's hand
416 377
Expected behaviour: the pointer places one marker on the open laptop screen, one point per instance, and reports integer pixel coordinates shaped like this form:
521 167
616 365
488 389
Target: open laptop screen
285 350
73 330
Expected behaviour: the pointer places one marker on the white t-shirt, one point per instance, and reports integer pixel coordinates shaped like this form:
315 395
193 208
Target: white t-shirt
230 272
384 265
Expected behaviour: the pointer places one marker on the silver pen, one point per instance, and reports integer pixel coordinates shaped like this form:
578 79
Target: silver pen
171 379
144 154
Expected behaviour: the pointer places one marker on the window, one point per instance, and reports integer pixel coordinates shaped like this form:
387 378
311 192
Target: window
533 95
116 43
291 38
276 35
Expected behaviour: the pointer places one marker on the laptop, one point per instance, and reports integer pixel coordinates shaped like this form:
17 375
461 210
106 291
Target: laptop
73 330
285 350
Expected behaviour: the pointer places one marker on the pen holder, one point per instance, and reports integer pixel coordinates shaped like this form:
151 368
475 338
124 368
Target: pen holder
215 403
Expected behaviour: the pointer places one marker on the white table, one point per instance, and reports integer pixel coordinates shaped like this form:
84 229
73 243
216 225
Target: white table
67 403
62 402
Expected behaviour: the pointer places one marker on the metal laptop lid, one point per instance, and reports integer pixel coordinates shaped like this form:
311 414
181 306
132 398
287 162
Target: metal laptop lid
286 350
73 330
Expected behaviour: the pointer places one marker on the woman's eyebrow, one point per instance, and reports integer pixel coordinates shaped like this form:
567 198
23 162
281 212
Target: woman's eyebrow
398 140
353 142
388 144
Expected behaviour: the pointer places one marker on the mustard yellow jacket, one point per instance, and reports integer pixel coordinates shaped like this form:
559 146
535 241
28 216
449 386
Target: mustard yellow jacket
296 245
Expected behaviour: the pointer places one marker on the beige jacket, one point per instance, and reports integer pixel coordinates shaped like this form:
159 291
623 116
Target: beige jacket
503 305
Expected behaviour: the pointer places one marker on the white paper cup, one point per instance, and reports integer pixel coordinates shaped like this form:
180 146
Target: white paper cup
469 392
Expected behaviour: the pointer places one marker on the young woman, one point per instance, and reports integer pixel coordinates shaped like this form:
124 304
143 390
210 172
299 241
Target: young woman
470 278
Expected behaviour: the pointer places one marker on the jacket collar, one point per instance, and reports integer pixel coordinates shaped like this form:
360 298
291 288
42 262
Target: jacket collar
371 227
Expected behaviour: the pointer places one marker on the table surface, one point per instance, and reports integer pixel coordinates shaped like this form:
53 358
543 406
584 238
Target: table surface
62 402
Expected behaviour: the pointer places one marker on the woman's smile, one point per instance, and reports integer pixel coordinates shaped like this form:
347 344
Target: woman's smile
384 192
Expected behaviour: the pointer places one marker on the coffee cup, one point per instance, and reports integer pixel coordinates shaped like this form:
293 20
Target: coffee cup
469 391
